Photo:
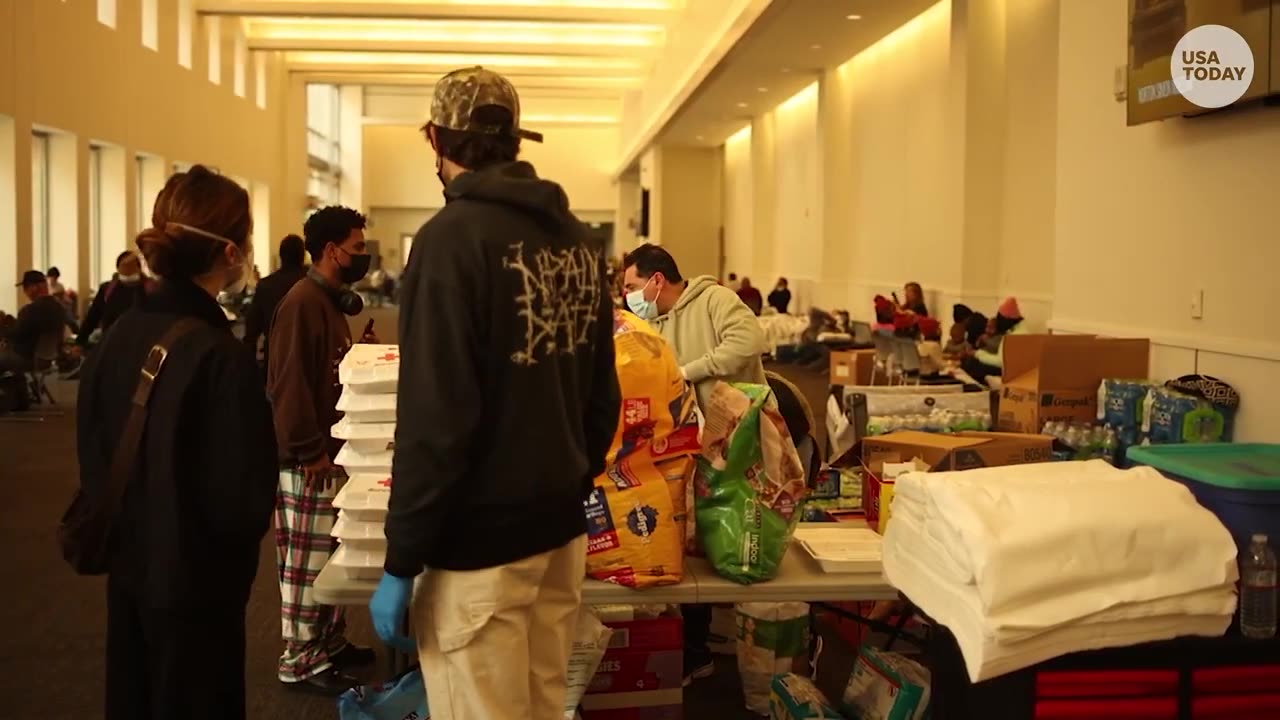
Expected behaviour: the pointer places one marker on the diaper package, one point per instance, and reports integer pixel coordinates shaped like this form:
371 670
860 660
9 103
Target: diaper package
795 697
886 686
1172 416
773 638
637 513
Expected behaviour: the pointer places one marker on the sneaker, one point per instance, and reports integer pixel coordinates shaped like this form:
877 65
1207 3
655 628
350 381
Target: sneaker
330 683
698 666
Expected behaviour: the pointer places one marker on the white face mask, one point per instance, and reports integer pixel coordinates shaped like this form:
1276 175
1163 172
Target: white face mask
239 278
131 279
644 309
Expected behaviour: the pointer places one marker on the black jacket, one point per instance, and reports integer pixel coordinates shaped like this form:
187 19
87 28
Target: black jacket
203 489
266 297
112 300
508 397
38 318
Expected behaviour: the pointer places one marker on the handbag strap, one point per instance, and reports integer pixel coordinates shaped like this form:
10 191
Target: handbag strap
131 437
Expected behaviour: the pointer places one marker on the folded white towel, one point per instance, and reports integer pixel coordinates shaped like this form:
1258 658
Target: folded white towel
989 653
1070 539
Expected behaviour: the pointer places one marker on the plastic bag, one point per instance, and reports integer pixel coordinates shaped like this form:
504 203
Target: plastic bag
637 513
749 486
886 686
795 697
402 699
590 640
773 638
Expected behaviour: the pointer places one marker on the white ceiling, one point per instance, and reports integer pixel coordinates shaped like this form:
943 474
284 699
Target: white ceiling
783 52
586 52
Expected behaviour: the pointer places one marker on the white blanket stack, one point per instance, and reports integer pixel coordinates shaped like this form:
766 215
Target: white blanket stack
1029 562
782 330
368 375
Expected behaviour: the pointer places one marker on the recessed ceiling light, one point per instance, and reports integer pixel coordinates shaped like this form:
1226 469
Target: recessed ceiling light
762 89
815 47
852 17
742 105
698 137
786 70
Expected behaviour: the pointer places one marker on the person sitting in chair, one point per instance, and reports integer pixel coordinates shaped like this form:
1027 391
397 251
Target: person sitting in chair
41 317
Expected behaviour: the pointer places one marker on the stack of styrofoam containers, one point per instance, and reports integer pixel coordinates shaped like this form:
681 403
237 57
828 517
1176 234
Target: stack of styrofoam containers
368 402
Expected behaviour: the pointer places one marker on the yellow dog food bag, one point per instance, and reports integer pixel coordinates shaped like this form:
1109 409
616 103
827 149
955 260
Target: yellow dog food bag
636 514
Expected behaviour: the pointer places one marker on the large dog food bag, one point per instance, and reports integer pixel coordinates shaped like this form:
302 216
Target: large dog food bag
750 484
636 514
773 638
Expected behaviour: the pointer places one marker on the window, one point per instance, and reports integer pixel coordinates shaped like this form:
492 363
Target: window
140 192
260 78
322 110
213 38
40 199
95 209
150 26
107 13
238 64
185 16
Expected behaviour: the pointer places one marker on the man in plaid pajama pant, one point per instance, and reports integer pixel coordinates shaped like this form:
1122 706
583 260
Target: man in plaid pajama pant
309 337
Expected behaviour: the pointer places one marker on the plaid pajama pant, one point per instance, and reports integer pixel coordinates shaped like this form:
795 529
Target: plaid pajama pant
312 632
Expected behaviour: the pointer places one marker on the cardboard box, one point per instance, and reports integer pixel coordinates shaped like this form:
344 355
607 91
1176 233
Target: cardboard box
641 676
852 367
940 453
1056 377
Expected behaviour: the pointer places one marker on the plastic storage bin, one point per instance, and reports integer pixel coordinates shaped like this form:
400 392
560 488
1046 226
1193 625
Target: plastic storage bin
1238 483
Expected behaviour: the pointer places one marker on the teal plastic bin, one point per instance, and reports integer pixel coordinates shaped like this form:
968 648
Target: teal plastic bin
1238 483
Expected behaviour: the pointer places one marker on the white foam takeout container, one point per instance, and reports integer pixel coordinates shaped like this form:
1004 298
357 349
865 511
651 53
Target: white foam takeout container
356 462
366 408
359 564
357 535
370 369
365 438
364 497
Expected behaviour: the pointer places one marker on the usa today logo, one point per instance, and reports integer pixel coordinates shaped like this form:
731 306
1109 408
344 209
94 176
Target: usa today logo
1211 66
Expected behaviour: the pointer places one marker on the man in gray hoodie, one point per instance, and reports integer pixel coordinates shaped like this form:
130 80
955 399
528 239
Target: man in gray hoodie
715 337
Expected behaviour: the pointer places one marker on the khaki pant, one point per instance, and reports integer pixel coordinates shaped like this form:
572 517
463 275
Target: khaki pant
494 644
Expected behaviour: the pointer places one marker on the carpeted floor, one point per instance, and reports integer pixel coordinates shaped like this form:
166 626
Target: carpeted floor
51 654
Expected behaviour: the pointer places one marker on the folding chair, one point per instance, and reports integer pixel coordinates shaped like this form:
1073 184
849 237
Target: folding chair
884 358
907 356
44 364
861 334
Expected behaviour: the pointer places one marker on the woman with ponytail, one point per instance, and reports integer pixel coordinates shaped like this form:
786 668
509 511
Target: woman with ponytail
198 496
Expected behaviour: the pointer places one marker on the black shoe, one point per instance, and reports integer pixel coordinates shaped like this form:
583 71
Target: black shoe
698 665
331 683
353 656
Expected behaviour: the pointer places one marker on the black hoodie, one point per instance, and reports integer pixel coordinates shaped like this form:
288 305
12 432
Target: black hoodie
508 398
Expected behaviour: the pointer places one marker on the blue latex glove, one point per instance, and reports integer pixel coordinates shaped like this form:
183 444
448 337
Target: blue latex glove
389 606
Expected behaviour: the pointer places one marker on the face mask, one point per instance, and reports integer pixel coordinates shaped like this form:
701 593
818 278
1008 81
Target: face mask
131 279
238 279
644 309
355 272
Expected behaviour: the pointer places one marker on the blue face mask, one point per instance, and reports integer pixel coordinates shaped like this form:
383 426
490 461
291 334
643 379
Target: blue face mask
644 309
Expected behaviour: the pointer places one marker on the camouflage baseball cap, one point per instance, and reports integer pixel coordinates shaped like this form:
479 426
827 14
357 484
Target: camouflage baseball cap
473 100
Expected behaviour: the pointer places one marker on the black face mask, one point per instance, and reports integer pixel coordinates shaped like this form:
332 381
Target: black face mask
355 272
440 174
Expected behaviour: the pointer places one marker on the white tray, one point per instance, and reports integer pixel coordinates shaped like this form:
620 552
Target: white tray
365 491
349 528
843 550
365 438
356 462
370 368
359 564
365 408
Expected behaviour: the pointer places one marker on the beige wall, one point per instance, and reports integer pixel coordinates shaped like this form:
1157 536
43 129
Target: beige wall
685 205
399 167
388 225
100 84
738 203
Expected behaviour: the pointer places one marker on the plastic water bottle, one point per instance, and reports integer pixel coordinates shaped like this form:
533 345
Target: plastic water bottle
1258 590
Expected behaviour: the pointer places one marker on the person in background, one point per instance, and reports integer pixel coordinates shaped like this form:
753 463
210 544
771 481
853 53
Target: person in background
309 337
957 346
733 283
41 317
115 297
187 539
508 404
377 281
913 300
715 337
751 296
270 291
960 313
975 327
985 361
885 311
56 288
929 347
780 298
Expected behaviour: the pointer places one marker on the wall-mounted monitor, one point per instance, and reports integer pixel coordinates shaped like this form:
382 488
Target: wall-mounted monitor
1156 26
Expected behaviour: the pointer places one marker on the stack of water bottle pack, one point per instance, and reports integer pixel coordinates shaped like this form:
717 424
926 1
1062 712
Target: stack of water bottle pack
368 427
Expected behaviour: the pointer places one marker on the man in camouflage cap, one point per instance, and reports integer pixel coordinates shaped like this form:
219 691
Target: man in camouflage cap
507 405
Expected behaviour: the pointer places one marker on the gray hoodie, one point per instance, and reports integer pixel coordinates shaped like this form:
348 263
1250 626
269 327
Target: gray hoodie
715 336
